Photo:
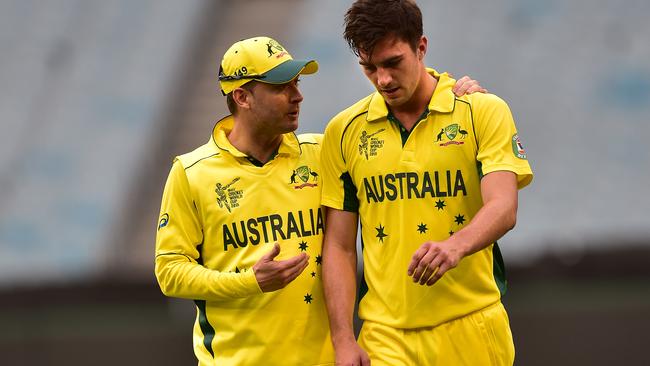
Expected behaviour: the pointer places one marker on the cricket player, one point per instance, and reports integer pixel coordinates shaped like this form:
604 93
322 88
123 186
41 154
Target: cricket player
433 179
241 219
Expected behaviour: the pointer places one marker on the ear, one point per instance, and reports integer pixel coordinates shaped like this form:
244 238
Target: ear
422 47
242 98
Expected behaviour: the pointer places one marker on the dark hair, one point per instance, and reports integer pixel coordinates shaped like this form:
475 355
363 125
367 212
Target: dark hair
230 102
369 21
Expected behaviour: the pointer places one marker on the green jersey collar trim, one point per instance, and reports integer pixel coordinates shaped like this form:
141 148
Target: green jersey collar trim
442 99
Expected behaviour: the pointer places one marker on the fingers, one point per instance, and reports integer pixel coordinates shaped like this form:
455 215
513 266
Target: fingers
436 276
460 82
429 270
294 272
466 85
476 88
293 262
365 361
432 269
427 263
417 257
272 253
431 261
273 275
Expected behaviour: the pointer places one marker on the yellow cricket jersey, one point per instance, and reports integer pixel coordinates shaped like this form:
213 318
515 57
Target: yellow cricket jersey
417 187
220 213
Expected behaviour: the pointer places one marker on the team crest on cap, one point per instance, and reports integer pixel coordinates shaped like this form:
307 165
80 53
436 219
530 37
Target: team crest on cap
369 144
450 133
302 177
274 48
518 148
228 197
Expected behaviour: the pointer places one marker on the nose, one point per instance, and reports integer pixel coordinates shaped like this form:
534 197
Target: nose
384 78
296 96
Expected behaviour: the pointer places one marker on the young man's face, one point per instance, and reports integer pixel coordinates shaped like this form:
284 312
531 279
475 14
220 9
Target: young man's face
394 68
276 107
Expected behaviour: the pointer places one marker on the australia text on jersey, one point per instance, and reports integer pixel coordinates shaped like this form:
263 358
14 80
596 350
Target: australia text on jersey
409 185
271 228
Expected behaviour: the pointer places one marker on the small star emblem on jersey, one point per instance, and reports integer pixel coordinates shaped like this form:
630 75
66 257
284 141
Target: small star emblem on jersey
303 246
451 232
459 219
422 228
308 298
380 233
440 205
319 259
237 270
313 274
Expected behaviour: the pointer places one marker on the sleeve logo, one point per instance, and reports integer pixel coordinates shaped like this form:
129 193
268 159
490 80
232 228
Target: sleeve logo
164 220
518 148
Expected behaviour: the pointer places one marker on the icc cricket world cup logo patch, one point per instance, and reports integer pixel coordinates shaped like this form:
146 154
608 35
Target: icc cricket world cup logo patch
227 196
304 174
368 144
447 136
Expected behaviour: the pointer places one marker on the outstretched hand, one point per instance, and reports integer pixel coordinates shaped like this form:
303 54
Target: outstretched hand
273 275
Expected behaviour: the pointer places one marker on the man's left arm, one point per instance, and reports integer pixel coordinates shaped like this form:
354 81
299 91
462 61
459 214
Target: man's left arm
505 169
497 216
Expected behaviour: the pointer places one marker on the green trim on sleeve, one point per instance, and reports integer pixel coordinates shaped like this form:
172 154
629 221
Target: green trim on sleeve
363 285
350 200
499 269
479 168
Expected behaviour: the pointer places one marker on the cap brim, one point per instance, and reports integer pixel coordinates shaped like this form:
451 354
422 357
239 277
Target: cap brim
287 71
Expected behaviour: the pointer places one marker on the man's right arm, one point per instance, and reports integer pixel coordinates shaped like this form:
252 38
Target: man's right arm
339 247
178 266
339 281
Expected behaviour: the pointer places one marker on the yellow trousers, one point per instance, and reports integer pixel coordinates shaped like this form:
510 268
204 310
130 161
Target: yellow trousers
482 338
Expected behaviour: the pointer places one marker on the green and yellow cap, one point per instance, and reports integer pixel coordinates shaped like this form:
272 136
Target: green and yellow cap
262 59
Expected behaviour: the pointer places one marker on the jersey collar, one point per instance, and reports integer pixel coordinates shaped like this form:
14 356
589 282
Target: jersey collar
442 99
288 147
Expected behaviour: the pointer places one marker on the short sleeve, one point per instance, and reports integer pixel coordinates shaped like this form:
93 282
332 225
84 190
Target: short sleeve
339 192
499 144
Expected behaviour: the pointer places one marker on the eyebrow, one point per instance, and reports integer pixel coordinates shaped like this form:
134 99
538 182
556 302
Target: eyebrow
389 61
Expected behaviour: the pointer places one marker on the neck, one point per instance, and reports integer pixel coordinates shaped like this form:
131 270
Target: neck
419 100
258 144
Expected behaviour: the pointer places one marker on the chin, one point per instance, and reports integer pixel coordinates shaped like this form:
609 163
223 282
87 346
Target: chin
394 102
292 126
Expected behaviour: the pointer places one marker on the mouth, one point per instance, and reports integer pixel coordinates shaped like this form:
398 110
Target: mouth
389 92
294 114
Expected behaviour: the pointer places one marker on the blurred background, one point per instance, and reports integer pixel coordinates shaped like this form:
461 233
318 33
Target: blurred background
97 97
